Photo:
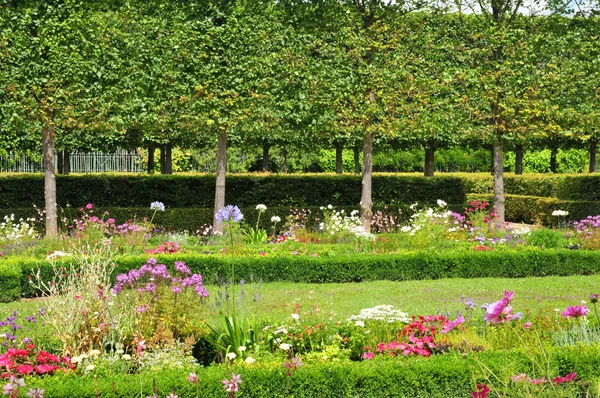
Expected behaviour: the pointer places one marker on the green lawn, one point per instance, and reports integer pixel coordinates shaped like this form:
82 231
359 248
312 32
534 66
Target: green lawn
338 301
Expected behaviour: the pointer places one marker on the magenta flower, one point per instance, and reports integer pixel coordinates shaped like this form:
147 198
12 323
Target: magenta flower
193 378
368 355
500 311
575 311
451 325
527 325
594 298
482 391
566 379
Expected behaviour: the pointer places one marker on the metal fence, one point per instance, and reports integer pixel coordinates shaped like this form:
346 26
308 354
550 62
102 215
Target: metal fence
80 162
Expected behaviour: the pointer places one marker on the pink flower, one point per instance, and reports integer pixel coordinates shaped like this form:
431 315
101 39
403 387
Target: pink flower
368 355
482 391
527 325
568 378
89 206
575 311
25 369
451 325
193 378
500 311
232 386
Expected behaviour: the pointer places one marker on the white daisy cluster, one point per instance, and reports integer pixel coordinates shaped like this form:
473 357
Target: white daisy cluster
11 231
385 313
337 221
440 215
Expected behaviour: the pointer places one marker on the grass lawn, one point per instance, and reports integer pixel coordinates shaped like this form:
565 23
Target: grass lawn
277 301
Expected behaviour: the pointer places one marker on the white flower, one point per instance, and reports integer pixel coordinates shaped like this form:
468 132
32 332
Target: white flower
84 356
75 359
359 324
157 206
275 219
231 356
250 360
559 213
583 302
414 205
261 208
242 348
126 357
441 203
329 207
296 317
406 228
95 353
90 368
284 346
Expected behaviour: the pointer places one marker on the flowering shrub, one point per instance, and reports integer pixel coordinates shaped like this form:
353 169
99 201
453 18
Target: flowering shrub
16 236
165 248
160 297
339 225
30 361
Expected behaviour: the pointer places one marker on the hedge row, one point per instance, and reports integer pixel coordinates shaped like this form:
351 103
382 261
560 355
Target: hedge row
447 376
198 190
14 275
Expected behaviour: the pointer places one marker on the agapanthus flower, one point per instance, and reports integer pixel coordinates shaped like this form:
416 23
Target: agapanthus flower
575 311
229 213
261 208
157 206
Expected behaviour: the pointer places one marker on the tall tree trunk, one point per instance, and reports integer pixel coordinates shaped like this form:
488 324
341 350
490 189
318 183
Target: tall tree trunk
493 161
429 159
220 177
66 161
151 163
499 180
59 163
265 160
366 200
356 150
593 148
284 156
168 159
163 159
553 164
519 159
339 161
49 181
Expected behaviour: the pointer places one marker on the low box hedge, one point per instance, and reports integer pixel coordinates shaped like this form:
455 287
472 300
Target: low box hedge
448 376
15 272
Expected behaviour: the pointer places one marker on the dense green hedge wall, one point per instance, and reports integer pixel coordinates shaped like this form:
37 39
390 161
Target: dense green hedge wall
337 269
198 190
444 376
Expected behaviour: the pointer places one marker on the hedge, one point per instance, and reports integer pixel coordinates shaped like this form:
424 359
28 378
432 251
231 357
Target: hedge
198 190
448 376
341 269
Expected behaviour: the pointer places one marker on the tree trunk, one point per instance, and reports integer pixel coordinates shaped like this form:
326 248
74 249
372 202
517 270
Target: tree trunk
59 162
151 164
519 159
366 200
265 159
553 159
593 148
284 156
493 162
49 181
168 159
339 161
499 180
66 162
220 177
356 160
429 160
163 159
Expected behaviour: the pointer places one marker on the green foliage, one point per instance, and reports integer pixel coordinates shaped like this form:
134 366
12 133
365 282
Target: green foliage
547 238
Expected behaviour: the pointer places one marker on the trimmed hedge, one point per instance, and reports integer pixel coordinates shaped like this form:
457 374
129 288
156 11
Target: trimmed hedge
447 376
341 269
198 190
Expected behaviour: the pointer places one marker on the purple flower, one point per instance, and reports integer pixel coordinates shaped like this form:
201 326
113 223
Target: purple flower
575 311
229 213
594 298
527 325
181 267
451 325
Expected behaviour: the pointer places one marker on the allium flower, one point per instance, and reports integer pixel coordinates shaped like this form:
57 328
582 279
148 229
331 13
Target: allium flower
261 208
229 213
482 391
157 206
575 311
275 219
451 325
500 311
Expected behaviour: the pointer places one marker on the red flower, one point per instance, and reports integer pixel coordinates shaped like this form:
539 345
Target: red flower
13 352
44 357
568 378
25 369
481 392
6 361
41 369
